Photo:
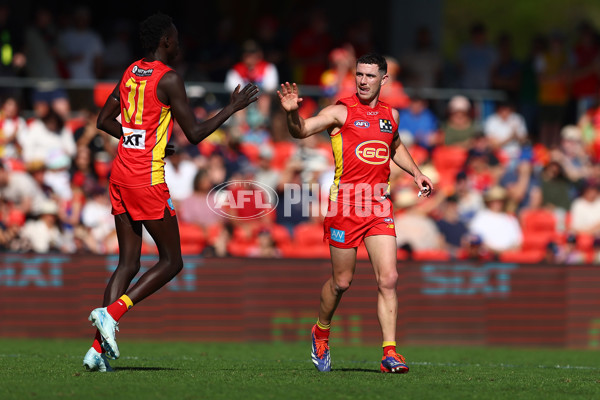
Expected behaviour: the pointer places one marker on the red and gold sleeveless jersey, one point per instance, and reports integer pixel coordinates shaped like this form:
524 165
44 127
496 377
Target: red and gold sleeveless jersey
361 150
147 127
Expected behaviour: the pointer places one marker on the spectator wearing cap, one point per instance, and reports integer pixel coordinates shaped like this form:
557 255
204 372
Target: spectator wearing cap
506 132
459 127
413 228
571 154
420 123
254 69
498 230
585 210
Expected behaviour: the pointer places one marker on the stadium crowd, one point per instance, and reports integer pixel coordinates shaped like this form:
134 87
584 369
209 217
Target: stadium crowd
517 180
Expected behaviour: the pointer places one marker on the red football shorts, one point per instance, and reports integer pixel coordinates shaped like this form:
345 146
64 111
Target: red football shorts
146 203
345 226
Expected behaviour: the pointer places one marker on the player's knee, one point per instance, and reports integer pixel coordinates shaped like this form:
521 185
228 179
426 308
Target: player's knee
342 284
388 280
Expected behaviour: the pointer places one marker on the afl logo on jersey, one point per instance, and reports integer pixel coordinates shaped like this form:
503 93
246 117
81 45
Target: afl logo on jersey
361 124
373 152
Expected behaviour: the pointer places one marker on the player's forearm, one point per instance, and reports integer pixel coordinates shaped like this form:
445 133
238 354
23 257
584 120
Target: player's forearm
112 127
296 125
206 128
403 159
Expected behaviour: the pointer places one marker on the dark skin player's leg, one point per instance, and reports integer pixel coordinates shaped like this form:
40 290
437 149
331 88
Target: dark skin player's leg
165 233
129 235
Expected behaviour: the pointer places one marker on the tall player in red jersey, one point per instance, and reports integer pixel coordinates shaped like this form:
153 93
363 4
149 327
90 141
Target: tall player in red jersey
148 97
364 137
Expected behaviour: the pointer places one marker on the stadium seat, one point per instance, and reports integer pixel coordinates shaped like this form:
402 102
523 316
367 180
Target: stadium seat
251 151
101 92
308 233
280 234
191 234
431 255
585 242
418 153
74 123
538 221
282 151
522 256
238 249
292 250
449 158
535 240
191 249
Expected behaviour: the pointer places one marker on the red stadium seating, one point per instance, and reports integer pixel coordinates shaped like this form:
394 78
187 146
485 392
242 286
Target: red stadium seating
431 255
522 256
308 234
282 151
585 242
534 240
449 158
251 151
191 233
418 153
538 221
280 234
293 250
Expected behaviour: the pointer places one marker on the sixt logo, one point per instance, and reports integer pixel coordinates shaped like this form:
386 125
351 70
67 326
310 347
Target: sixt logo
141 72
361 124
134 138
373 152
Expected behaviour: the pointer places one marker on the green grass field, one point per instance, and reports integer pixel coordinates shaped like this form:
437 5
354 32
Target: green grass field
51 369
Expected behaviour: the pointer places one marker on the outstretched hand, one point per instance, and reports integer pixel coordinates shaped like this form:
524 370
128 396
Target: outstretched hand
243 98
288 95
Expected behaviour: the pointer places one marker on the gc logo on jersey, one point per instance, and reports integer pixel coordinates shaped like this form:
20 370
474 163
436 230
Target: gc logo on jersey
385 125
373 152
134 138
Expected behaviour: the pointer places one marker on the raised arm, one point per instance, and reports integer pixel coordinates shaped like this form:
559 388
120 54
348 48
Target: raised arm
328 119
171 86
404 160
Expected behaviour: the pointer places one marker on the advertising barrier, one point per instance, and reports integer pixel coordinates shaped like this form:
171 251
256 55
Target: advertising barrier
246 299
